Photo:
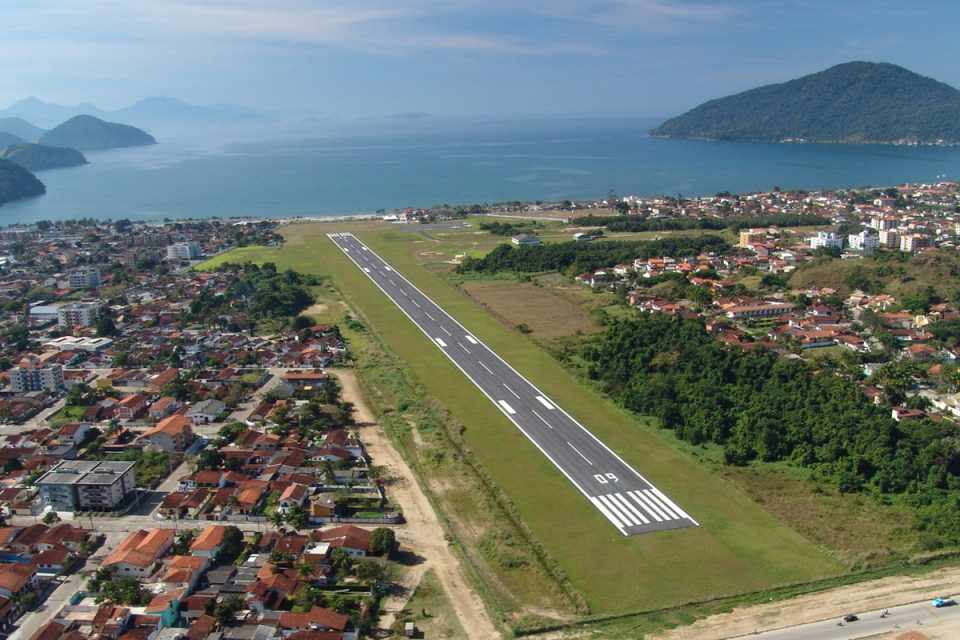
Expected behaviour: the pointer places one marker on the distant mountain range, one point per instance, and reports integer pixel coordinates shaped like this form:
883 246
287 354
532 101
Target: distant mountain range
146 112
852 103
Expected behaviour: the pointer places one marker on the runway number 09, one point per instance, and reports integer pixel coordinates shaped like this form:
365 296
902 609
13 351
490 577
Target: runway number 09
605 478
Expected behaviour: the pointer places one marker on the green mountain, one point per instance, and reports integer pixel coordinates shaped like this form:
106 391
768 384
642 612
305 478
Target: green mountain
20 128
88 133
16 183
8 140
38 157
852 102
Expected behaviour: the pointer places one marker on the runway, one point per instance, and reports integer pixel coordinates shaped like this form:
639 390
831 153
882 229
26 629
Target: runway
625 498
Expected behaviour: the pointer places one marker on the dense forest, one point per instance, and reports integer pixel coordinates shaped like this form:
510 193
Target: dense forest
580 257
759 406
261 292
16 183
640 223
852 102
509 228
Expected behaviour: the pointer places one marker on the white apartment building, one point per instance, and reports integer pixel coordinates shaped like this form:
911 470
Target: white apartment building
84 278
865 242
78 314
826 240
32 375
183 251
912 242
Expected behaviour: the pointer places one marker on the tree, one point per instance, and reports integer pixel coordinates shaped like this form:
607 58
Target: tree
105 327
232 545
383 542
226 610
296 517
302 322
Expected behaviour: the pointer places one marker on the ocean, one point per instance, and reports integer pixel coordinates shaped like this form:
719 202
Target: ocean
281 172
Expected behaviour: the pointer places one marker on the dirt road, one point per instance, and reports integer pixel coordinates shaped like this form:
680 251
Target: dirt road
866 596
423 533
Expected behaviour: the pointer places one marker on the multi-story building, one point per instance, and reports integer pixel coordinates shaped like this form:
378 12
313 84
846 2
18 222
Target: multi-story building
866 242
912 242
84 278
889 239
183 251
826 240
751 236
33 375
77 485
78 314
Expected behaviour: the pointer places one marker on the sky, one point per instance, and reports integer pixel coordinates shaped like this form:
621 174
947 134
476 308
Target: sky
452 57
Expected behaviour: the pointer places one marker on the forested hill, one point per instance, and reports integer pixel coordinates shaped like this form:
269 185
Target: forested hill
758 406
16 183
87 133
38 157
579 257
852 102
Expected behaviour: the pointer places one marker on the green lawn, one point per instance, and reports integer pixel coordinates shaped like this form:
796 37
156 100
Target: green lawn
738 548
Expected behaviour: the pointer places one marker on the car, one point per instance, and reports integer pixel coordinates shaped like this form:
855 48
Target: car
939 603
850 617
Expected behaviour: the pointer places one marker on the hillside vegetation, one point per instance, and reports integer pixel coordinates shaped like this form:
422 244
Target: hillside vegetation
852 102
87 133
38 157
17 183
888 272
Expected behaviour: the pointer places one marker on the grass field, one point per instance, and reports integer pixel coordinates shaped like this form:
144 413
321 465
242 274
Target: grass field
739 547
430 610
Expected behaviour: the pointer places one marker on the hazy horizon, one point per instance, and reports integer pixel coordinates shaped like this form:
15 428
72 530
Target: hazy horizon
372 58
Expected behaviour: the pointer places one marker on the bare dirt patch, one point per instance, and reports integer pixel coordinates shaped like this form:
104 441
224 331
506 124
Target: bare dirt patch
548 314
422 533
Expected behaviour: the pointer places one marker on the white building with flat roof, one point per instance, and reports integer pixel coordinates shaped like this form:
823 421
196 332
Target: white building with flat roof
78 314
183 251
84 278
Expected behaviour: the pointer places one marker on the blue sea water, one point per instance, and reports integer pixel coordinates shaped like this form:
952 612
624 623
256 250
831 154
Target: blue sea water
286 173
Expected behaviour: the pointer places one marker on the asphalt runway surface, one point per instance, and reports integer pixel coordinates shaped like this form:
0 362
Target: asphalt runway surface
626 499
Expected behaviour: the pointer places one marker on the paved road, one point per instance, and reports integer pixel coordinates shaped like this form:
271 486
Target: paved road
627 499
908 617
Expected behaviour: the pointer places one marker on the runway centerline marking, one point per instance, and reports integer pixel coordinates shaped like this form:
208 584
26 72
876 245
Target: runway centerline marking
460 344
542 419
485 367
445 330
427 313
580 454
516 395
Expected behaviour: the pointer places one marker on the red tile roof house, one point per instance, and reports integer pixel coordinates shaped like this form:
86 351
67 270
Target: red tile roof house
173 433
209 543
317 619
139 553
131 406
163 407
15 578
293 496
354 540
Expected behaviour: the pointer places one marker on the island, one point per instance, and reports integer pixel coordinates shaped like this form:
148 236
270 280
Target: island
17 183
855 102
38 157
87 133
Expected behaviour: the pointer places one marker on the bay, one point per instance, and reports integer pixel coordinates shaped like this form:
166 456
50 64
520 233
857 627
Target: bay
359 169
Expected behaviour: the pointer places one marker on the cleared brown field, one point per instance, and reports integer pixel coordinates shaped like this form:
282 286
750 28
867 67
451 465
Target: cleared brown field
548 314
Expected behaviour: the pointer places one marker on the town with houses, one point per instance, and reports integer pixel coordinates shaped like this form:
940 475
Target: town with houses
200 411
177 459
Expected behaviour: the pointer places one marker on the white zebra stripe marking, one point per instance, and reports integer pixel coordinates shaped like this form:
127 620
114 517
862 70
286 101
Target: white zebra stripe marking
674 506
646 506
506 407
606 512
653 498
616 510
470 339
441 342
626 503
